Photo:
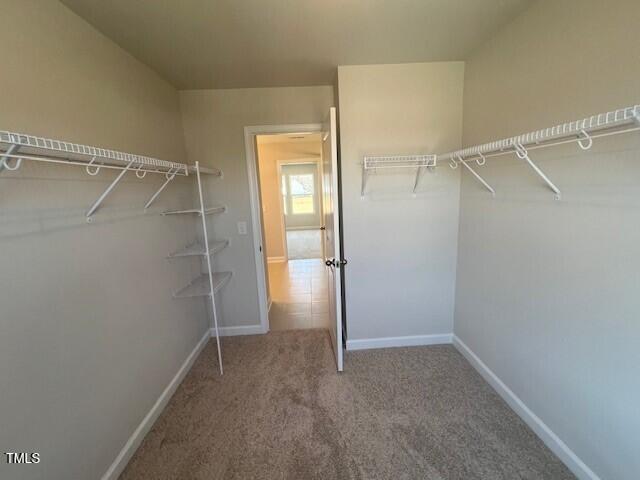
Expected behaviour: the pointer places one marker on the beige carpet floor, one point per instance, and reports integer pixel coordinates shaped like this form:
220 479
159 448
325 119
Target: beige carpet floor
282 412
303 244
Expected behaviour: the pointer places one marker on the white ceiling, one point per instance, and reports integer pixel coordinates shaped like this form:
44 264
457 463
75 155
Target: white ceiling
261 43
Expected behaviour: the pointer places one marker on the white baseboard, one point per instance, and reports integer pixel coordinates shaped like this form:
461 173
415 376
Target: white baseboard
240 330
312 227
276 259
409 341
551 440
139 433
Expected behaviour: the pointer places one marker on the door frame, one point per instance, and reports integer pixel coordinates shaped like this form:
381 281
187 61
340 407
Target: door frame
250 134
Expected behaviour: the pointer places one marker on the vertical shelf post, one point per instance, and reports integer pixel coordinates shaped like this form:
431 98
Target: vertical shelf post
365 177
203 216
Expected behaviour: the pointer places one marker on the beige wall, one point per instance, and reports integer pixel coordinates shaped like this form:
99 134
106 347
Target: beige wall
214 122
401 248
547 292
90 335
269 154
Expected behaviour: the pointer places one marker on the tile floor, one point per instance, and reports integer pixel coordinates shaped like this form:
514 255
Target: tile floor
299 295
304 244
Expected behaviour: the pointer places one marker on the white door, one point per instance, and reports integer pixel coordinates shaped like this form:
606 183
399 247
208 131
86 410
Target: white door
332 252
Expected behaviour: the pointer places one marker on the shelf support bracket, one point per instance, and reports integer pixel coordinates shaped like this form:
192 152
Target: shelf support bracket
365 177
478 177
101 198
169 176
419 174
12 150
522 154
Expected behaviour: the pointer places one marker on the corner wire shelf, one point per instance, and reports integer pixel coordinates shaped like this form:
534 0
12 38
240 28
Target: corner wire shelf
191 168
583 132
18 147
200 287
207 171
198 249
198 211
209 283
374 163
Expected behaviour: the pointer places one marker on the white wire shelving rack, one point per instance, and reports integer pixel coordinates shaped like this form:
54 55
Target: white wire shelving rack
209 283
15 148
583 132
373 164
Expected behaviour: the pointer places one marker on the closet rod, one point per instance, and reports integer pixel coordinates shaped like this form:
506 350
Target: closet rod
624 120
583 132
374 163
20 146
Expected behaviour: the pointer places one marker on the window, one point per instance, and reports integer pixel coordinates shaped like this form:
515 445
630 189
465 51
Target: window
302 194
298 194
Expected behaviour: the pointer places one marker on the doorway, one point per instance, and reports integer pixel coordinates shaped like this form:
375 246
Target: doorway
299 276
290 185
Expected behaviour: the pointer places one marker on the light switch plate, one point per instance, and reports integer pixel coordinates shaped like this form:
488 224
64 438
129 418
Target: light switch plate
242 228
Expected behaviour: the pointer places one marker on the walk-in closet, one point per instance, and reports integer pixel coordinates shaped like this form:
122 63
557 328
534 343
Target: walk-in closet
267 239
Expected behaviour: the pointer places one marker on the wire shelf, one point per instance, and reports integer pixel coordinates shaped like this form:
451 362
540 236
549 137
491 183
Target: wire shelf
207 211
574 130
200 287
399 161
198 249
583 132
216 172
41 149
418 162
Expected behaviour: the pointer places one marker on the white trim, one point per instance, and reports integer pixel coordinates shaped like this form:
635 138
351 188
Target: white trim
551 440
408 341
276 259
256 222
283 222
119 464
239 330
